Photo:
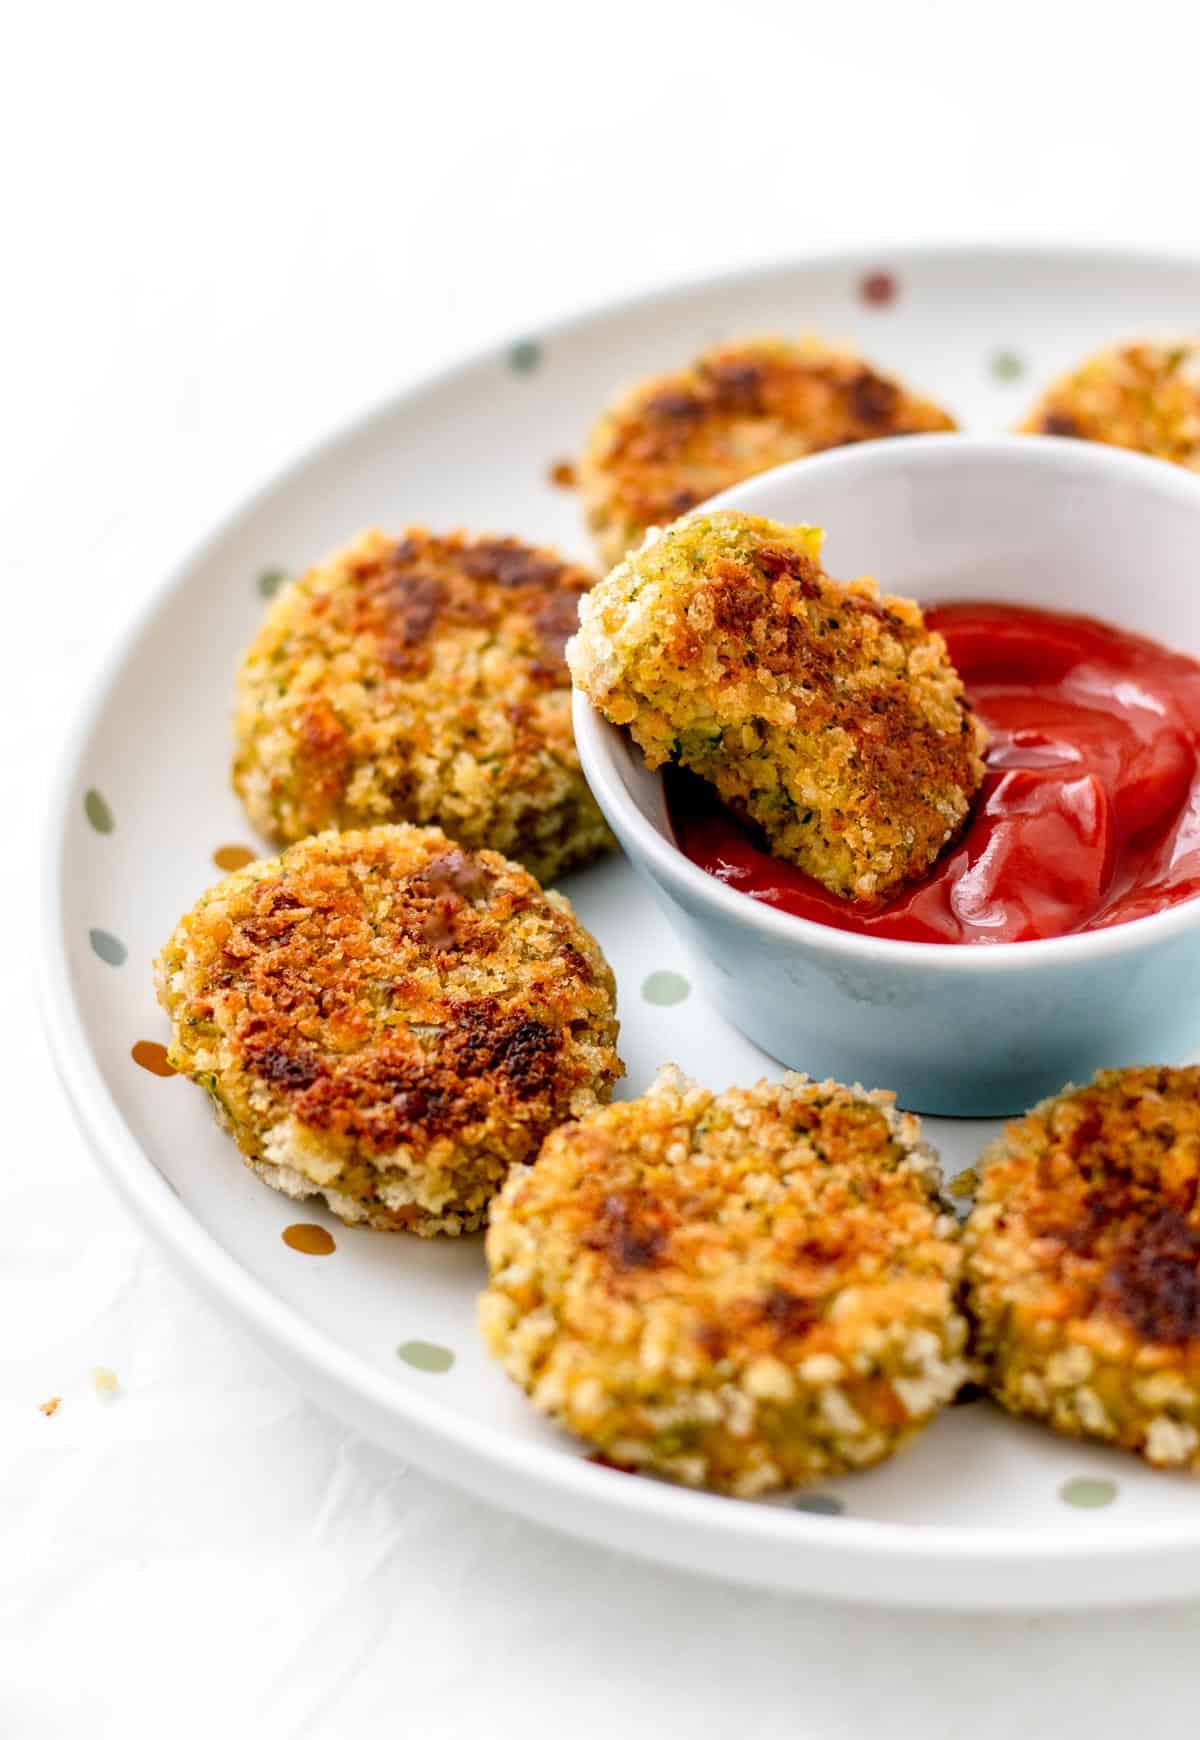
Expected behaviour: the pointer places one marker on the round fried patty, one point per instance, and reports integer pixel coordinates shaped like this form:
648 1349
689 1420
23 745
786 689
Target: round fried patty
1145 396
390 1022
1083 1263
742 1291
421 679
671 442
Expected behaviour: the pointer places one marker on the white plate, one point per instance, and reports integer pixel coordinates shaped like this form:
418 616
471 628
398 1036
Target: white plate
982 1511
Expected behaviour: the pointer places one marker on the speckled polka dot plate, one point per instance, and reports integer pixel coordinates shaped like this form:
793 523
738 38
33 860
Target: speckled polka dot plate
983 1511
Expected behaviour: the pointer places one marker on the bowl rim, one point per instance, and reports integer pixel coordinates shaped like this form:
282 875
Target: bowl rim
487 1460
600 743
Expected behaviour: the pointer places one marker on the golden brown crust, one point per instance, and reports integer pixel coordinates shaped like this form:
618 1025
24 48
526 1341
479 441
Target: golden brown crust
1084 1262
741 1290
1145 396
422 679
390 1020
826 714
669 443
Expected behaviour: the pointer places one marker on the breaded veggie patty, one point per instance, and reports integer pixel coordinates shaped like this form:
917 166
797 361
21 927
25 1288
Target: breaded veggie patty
742 1291
1083 1263
421 679
829 716
389 1022
1145 396
669 443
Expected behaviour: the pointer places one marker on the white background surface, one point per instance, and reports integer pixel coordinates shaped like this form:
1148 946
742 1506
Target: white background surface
229 227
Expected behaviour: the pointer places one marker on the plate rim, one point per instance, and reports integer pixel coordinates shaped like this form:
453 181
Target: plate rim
482 1449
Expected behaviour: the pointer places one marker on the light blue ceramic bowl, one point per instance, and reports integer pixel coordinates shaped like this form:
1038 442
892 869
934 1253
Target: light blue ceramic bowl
977 1031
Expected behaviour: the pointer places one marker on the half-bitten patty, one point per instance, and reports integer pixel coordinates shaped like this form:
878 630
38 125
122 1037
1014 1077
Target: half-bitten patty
741 1291
1083 1263
389 1022
421 679
827 715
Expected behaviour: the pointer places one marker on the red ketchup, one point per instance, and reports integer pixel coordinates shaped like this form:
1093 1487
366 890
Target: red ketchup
1089 813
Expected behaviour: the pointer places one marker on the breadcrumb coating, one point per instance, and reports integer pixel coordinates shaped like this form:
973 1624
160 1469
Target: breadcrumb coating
1145 396
826 714
1083 1263
421 679
389 1022
741 1291
673 441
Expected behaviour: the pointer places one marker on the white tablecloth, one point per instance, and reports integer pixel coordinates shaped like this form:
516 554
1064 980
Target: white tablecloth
229 227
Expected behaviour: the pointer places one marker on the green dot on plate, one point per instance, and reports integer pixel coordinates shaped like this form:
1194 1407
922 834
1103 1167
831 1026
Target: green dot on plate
110 948
819 1504
524 356
1006 365
269 582
1087 1493
425 1355
665 987
97 811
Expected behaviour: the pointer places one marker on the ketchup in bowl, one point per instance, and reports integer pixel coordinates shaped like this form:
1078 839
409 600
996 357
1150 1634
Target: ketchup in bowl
1089 814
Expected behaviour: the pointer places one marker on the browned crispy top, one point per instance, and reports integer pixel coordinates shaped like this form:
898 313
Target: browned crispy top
788 620
673 441
386 988
402 594
421 678
750 1210
1144 395
1101 1187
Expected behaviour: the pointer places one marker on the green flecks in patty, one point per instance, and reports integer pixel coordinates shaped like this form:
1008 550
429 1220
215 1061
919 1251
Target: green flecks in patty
1087 1493
665 988
109 948
678 1440
269 581
97 811
425 1356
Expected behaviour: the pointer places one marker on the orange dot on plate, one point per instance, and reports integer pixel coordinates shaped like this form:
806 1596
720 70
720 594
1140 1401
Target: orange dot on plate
233 857
152 1056
313 1241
